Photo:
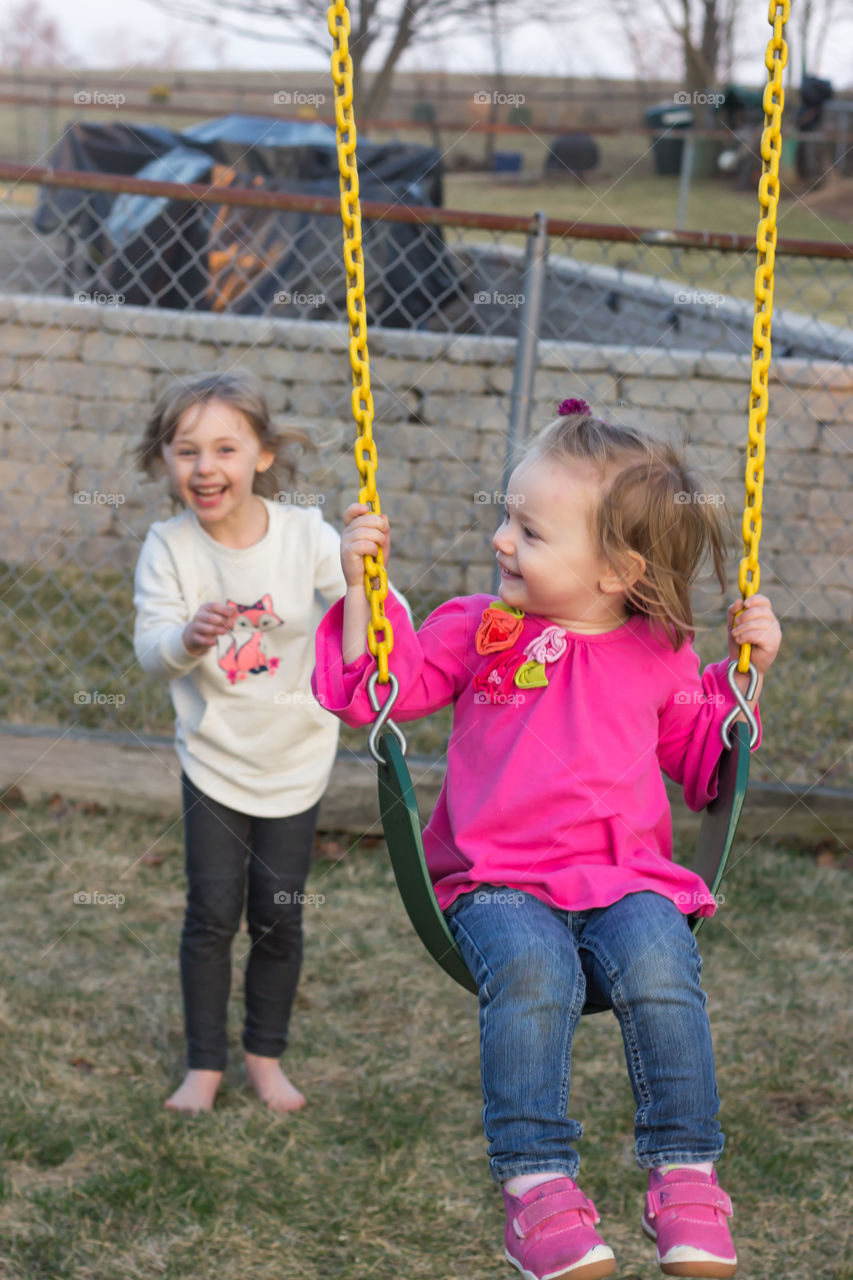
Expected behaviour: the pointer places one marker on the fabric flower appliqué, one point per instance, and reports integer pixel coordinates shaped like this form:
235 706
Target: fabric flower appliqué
531 675
491 685
548 646
499 629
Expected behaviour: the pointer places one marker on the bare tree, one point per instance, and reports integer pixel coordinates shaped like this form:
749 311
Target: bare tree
693 40
32 38
705 31
382 30
817 19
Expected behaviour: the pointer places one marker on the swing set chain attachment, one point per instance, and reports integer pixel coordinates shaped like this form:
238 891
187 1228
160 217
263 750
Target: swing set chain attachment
380 634
742 700
775 59
382 714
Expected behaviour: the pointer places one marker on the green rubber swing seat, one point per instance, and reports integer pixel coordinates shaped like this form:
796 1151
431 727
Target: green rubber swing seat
402 825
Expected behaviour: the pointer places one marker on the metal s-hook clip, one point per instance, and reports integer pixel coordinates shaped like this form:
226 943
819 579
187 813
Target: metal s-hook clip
382 714
742 701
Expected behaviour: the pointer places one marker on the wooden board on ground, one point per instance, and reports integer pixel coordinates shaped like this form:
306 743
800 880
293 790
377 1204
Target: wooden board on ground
146 777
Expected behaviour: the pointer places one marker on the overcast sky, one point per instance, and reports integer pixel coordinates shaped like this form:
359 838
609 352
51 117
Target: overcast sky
107 34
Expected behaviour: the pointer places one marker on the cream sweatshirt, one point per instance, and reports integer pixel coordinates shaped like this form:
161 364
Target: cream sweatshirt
249 732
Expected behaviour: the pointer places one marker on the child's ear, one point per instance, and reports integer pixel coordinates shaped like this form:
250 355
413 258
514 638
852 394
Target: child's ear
265 460
621 577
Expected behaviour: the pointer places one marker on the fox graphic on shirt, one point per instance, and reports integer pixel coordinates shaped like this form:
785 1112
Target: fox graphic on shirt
245 655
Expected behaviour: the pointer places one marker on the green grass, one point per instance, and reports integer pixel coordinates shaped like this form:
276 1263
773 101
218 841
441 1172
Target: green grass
66 632
628 193
383 1176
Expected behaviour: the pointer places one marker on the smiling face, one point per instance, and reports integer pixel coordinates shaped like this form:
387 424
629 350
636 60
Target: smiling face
549 562
212 460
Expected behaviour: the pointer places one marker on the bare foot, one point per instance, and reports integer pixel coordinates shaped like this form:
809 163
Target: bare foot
196 1093
271 1084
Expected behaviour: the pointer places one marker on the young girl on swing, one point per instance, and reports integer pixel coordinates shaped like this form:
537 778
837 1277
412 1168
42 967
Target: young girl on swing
550 848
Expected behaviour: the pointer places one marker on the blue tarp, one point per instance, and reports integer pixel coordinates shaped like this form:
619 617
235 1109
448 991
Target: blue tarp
169 253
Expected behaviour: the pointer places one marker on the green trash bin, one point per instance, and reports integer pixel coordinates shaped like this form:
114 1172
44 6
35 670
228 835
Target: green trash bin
423 113
667 149
741 106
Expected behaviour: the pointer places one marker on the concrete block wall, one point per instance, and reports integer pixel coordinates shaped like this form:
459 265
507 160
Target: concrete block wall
78 381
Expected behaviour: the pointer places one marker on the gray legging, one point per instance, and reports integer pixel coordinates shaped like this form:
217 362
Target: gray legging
220 842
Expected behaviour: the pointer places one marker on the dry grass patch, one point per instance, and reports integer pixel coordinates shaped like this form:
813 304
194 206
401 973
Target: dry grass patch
384 1174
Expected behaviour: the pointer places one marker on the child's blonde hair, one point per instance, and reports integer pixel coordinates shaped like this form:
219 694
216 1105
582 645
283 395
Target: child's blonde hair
650 504
243 392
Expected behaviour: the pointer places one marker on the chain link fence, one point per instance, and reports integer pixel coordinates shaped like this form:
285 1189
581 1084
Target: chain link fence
480 325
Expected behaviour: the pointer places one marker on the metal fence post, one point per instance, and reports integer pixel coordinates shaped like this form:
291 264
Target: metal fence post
684 182
521 401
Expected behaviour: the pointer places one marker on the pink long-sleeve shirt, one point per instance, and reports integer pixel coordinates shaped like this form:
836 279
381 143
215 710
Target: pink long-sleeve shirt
554 789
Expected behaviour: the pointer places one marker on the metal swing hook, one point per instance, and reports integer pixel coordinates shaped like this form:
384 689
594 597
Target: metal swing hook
382 714
742 705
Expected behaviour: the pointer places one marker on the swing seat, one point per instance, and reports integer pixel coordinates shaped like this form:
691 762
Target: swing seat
402 825
721 817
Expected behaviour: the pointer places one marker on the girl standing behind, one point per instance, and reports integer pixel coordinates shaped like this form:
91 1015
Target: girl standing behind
550 847
226 610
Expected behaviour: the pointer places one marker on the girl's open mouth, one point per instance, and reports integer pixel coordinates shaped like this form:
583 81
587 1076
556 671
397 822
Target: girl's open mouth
209 497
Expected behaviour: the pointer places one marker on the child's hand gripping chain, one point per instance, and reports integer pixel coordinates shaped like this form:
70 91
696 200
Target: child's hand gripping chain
754 623
365 534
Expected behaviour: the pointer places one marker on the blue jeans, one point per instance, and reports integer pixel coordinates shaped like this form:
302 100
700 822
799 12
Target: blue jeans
535 968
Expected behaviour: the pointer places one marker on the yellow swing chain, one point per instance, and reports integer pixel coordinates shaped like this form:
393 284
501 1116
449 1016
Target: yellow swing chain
775 59
749 573
380 635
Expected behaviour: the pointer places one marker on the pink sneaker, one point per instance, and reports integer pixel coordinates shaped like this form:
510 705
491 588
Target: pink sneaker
549 1234
686 1214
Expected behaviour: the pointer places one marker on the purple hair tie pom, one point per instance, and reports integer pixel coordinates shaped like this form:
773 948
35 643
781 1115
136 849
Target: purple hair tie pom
573 406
